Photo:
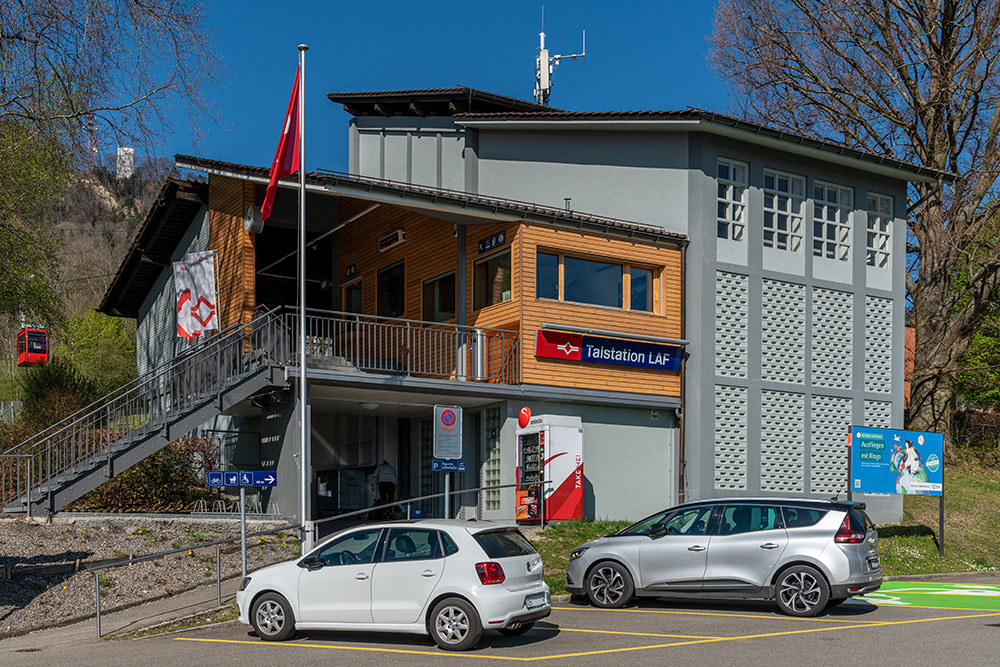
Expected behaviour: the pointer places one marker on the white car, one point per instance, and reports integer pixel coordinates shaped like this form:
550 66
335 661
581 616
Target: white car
446 578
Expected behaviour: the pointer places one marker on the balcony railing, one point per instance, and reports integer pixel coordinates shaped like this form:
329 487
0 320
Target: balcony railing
393 346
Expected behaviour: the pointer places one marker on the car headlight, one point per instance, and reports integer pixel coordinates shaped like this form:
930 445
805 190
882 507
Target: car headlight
577 553
244 583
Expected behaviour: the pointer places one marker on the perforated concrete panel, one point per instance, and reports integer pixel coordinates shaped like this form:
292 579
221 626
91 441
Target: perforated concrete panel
878 414
832 338
783 332
830 421
878 345
730 437
731 312
782 441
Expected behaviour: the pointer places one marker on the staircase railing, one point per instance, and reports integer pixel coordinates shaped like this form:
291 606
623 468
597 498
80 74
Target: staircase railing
145 405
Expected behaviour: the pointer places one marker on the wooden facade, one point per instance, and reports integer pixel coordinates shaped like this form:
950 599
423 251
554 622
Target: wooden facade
235 260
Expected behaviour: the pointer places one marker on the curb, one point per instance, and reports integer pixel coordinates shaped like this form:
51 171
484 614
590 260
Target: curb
560 598
942 575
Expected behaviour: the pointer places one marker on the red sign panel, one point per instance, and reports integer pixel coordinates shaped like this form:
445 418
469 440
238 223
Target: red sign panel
558 345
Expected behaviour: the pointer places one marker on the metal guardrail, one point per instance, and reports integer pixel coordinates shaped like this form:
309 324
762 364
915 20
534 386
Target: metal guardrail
292 526
396 346
142 406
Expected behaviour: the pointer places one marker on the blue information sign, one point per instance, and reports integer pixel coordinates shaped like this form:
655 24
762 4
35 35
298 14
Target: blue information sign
885 460
448 465
217 478
631 353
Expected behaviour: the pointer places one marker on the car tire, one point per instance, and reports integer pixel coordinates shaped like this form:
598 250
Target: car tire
609 585
833 602
801 591
455 625
272 618
518 631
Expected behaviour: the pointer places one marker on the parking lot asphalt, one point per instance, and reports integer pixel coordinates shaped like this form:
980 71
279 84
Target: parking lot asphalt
903 630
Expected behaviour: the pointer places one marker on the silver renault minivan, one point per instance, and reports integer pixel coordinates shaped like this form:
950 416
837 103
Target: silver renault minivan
806 555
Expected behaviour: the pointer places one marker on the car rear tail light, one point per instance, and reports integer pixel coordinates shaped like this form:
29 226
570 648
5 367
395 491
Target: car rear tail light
846 535
490 573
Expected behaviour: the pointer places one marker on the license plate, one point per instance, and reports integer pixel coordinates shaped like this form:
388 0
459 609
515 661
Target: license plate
536 600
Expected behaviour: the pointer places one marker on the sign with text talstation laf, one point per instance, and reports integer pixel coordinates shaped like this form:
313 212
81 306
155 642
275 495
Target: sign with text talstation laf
615 351
447 432
885 460
220 478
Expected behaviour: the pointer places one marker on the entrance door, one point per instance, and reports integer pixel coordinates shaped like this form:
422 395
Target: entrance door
340 591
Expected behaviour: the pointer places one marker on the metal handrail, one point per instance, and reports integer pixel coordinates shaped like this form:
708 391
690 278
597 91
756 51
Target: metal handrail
420 323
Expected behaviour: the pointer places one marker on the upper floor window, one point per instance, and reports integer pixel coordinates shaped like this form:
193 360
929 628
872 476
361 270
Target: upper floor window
832 206
732 182
594 281
879 230
391 291
783 207
351 298
491 280
439 298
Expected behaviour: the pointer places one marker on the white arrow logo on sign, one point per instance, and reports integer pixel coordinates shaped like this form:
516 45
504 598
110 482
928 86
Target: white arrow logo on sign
568 348
269 479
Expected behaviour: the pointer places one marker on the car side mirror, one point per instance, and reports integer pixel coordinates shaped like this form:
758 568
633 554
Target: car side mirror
658 530
312 563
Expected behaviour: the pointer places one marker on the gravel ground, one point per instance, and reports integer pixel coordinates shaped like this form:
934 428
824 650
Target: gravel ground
33 602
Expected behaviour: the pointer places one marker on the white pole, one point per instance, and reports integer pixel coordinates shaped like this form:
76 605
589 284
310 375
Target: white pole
243 529
447 495
304 477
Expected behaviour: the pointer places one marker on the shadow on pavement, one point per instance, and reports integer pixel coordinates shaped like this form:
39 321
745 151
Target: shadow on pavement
850 608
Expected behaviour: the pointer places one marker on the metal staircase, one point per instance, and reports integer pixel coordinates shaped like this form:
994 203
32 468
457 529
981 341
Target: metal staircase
55 467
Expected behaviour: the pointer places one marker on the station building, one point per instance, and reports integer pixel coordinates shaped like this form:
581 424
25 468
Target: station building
741 291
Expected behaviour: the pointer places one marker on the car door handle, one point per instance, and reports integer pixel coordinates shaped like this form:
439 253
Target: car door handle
428 573
769 545
361 576
696 547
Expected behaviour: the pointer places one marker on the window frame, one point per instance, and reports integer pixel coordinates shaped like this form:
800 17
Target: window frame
879 228
376 554
435 535
727 204
344 288
793 234
720 510
475 278
656 273
423 296
840 245
378 284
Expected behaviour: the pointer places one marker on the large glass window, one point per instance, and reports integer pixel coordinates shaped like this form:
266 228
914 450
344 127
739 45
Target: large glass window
731 217
491 464
352 298
491 276
879 230
547 276
439 298
640 289
357 547
737 519
391 291
783 201
832 206
591 281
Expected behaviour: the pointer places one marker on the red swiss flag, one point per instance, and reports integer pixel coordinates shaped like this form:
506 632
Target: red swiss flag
286 158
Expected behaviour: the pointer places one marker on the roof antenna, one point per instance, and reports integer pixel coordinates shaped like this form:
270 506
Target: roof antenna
545 65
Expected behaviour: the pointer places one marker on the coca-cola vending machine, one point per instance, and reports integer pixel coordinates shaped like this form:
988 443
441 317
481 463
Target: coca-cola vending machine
550 448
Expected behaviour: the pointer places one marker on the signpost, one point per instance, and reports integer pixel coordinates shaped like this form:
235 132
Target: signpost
447 447
242 479
893 461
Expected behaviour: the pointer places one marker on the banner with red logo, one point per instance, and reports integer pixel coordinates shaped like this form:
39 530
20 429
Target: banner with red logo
194 281
601 350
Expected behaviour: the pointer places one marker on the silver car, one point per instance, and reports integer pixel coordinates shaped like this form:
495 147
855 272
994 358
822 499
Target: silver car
807 555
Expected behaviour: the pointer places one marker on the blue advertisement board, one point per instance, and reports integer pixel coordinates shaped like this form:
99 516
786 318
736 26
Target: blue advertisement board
885 460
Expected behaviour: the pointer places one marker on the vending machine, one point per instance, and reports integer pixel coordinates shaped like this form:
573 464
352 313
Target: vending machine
550 448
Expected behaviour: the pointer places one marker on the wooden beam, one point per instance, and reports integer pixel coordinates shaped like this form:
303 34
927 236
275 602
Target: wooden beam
418 109
355 110
458 107
384 109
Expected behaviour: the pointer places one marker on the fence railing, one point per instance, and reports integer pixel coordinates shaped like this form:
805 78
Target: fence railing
292 526
143 406
394 346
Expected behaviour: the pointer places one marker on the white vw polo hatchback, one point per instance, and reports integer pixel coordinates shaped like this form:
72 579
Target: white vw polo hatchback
446 578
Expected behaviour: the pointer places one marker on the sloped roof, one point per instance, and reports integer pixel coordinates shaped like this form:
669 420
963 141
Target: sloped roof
430 102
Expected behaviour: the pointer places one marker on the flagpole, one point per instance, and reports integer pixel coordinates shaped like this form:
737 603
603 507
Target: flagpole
304 462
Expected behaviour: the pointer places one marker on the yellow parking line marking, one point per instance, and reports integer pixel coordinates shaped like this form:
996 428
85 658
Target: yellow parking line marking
714 613
617 632
443 654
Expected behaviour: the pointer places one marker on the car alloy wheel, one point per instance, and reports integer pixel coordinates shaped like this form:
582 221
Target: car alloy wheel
455 625
452 624
609 585
802 591
272 617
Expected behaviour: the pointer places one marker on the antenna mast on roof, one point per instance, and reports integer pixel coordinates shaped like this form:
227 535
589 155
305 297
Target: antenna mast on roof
545 65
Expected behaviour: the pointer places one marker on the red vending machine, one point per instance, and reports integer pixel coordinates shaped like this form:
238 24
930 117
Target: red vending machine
550 448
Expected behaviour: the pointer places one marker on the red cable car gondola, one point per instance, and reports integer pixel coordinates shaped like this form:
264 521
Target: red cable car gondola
32 347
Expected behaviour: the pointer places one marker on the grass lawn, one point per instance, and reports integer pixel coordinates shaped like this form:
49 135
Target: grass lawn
972 529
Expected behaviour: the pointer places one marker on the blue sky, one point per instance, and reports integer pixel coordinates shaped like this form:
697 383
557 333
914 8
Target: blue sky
640 55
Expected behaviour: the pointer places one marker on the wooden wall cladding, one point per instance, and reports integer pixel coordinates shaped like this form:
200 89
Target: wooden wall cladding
664 322
235 265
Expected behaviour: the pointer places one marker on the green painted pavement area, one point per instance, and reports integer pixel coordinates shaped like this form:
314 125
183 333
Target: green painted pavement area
985 597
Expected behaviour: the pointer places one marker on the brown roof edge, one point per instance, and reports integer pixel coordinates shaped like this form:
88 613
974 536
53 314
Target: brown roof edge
146 234
718 119
358 102
408 191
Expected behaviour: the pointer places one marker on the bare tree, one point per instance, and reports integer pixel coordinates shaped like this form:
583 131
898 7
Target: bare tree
913 79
